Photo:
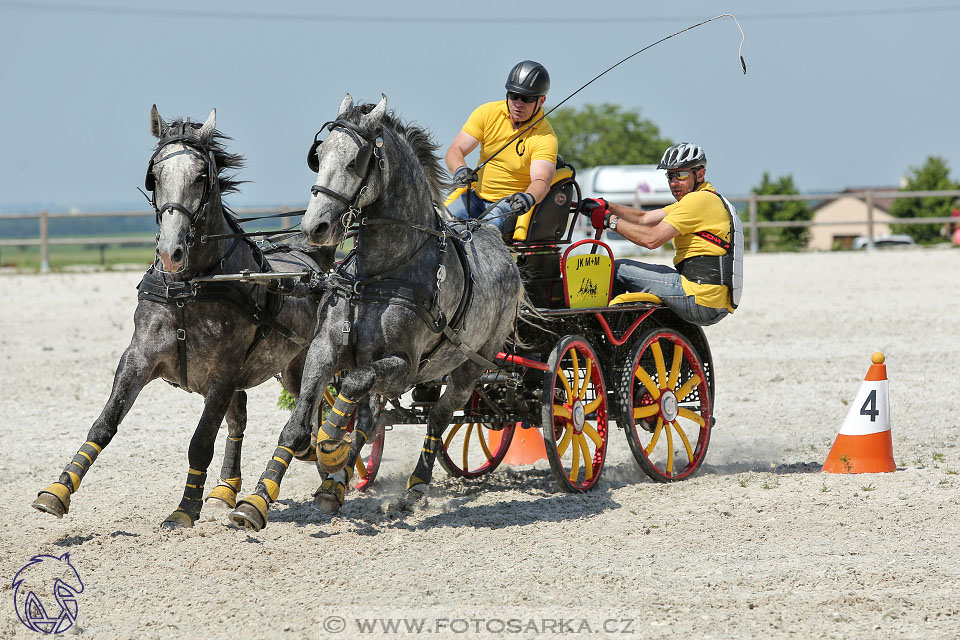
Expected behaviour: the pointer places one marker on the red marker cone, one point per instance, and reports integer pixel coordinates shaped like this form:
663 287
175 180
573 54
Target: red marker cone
526 447
864 444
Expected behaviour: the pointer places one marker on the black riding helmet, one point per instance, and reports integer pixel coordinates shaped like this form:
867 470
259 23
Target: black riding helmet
528 78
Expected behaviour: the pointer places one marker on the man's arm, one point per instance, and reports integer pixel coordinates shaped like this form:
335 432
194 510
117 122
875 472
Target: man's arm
541 176
460 148
645 228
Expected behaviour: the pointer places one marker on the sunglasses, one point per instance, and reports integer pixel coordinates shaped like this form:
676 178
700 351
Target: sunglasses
525 99
679 175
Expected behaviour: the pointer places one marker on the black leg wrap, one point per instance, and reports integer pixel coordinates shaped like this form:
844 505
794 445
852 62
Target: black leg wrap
192 499
339 417
231 458
273 475
74 471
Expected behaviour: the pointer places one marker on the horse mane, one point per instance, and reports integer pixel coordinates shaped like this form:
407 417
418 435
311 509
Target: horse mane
225 160
420 142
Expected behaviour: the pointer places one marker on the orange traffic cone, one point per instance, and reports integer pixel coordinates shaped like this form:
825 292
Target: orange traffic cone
526 447
864 444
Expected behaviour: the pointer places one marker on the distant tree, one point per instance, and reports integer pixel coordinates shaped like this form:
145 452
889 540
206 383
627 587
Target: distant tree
604 134
782 238
934 175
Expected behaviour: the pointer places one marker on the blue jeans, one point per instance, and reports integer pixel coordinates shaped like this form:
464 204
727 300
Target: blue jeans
663 282
477 205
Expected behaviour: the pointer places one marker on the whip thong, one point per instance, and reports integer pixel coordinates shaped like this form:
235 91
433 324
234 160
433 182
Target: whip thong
743 65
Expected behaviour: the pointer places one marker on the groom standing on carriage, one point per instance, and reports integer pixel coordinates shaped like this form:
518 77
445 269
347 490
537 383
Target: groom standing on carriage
514 174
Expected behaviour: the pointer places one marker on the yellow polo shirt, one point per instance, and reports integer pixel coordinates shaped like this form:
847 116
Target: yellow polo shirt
700 210
509 172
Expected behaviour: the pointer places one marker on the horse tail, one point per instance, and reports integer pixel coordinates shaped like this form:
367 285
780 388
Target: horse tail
528 314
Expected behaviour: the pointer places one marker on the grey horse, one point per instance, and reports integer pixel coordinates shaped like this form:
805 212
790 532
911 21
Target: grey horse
413 303
215 339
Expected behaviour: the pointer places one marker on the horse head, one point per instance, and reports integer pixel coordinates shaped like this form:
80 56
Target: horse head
182 175
346 164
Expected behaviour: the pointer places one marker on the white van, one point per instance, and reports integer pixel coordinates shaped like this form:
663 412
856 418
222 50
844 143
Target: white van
635 185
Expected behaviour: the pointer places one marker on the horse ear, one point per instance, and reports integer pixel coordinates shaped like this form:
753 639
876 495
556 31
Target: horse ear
372 119
207 129
157 125
346 104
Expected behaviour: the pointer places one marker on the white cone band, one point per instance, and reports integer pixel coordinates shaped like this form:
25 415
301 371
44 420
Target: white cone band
870 411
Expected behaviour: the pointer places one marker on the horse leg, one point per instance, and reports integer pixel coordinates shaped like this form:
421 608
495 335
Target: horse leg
133 373
199 455
329 497
251 512
458 392
225 493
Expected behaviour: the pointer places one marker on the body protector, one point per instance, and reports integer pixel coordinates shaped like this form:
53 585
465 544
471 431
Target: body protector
726 270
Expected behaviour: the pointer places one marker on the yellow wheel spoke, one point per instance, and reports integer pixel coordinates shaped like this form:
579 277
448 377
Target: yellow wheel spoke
565 440
687 387
692 415
466 447
593 406
328 397
453 432
587 458
575 465
361 468
647 382
483 442
575 363
586 379
656 436
658 360
561 411
675 367
592 433
669 431
562 377
686 442
646 412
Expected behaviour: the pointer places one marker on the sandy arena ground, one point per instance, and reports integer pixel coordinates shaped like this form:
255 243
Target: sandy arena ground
759 544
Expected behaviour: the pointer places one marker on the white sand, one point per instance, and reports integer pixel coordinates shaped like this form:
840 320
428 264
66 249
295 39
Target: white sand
760 544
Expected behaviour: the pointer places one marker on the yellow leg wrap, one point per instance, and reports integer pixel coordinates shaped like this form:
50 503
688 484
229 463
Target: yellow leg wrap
75 480
226 492
332 454
48 499
258 503
331 487
273 489
180 518
413 481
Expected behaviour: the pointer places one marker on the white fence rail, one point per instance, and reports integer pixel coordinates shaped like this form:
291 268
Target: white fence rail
753 224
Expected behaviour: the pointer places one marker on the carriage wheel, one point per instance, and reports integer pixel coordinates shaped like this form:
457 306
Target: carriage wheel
666 405
574 415
471 449
368 464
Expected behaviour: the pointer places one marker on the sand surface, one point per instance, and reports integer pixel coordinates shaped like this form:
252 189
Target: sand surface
758 544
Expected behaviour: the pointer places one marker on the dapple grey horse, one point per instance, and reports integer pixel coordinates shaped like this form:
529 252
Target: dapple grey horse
215 339
416 301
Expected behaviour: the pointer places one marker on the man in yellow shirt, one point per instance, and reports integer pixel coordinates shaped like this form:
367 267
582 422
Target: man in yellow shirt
519 176
705 230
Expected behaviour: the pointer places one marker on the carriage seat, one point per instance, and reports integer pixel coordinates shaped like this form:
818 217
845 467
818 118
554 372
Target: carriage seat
634 297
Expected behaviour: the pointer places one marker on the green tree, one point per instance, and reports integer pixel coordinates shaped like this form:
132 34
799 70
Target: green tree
604 134
934 175
782 238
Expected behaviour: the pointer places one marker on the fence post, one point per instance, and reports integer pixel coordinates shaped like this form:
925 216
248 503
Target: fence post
754 227
285 220
44 243
869 201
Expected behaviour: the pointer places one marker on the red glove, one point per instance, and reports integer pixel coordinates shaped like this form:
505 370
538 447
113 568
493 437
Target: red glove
597 210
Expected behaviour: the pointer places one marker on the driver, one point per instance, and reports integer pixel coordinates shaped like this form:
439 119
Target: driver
705 230
523 171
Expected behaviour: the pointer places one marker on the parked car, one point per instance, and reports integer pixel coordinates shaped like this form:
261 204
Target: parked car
861 242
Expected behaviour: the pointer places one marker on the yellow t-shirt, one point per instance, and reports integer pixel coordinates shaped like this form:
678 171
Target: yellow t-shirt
700 210
509 172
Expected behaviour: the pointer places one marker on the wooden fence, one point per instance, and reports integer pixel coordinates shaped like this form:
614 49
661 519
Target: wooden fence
752 223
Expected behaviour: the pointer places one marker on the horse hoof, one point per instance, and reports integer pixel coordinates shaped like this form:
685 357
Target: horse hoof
177 520
248 516
332 454
329 497
54 500
414 496
222 497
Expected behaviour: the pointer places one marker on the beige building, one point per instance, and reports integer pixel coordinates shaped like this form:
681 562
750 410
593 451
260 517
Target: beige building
851 209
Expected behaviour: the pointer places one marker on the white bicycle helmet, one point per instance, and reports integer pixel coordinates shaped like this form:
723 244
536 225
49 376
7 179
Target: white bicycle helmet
684 155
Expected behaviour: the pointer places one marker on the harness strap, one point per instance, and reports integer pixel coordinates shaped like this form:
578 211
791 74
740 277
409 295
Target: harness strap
181 342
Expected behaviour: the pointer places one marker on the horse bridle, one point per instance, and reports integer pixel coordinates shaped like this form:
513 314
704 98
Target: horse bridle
191 147
368 146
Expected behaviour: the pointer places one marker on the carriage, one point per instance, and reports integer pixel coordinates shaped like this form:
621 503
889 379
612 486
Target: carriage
576 366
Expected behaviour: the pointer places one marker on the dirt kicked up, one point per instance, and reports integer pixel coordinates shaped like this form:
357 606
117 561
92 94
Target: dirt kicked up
759 544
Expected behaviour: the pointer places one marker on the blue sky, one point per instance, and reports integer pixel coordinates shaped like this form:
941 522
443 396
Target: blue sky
838 94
